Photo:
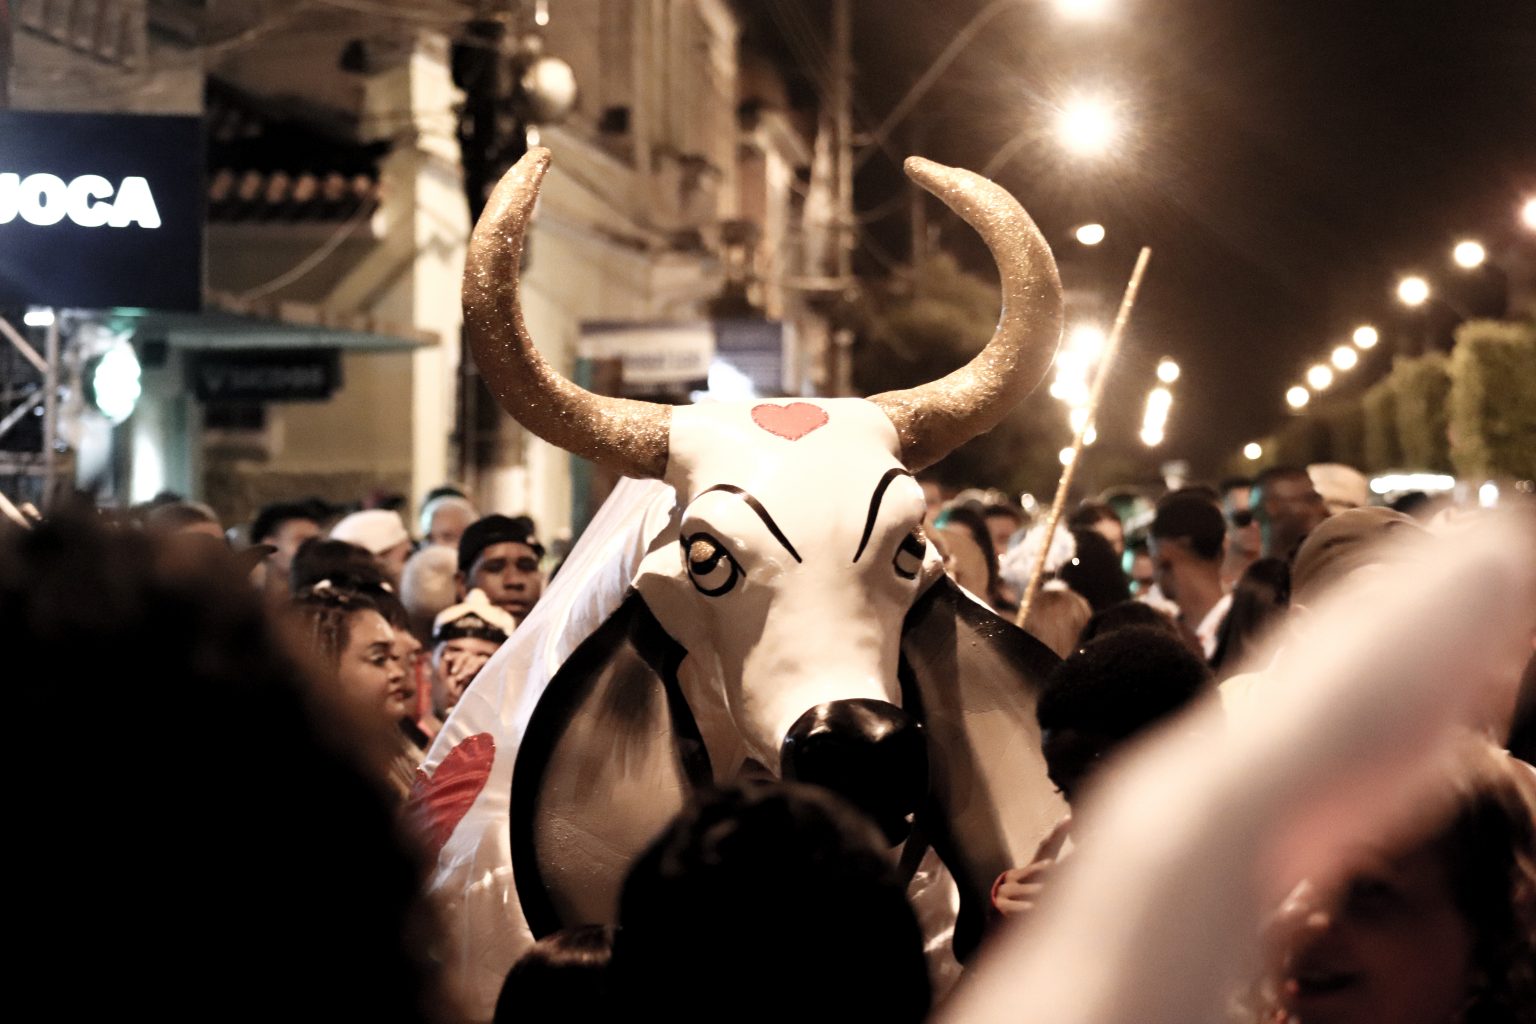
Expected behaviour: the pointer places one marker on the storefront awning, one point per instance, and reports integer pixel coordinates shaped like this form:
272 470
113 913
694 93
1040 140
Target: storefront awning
227 325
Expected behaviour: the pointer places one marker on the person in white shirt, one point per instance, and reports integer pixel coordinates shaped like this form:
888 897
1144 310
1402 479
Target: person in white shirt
1187 544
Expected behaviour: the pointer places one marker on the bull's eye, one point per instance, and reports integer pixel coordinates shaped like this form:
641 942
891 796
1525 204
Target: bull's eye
909 557
710 567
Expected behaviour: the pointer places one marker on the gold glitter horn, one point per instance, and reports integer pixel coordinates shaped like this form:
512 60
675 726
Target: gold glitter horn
625 436
934 419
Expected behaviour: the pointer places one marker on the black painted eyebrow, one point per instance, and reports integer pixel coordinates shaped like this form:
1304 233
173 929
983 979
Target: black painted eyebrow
762 513
874 507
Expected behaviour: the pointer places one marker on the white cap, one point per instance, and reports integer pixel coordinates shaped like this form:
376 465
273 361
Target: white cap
375 530
1341 486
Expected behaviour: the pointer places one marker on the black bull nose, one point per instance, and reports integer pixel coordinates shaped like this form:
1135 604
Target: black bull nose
871 753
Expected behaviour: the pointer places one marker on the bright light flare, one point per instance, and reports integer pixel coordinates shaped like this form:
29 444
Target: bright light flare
1297 397
1155 420
1488 495
1319 377
1345 358
1082 10
1090 234
1065 455
1151 438
1528 214
1167 371
1366 337
1087 127
38 318
1253 451
1413 291
1469 254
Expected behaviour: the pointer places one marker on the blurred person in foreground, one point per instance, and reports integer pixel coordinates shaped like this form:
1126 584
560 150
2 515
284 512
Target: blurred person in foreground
777 902
1287 507
563 977
251 844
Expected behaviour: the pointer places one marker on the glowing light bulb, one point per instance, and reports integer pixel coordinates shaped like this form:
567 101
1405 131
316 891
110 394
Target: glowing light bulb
1090 234
1345 358
1366 336
1253 451
1297 397
1413 291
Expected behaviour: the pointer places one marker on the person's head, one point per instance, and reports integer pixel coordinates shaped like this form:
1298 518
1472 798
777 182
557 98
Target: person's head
562 977
382 534
464 637
1287 508
933 496
355 643
183 517
984 572
1143 572
445 518
1103 520
1344 544
500 555
1188 538
1056 618
1234 491
265 782
1126 613
780 898
1003 521
1434 928
1094 571
428 585
1109 691
1259 603
285 526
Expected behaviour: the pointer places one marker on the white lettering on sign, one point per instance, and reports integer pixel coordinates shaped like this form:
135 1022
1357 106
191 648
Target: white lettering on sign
45 199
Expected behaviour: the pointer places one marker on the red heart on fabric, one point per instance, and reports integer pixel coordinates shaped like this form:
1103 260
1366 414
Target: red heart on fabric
439 801
792 421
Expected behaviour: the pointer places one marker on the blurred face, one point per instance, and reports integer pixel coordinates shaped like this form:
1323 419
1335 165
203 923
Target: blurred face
1071 755
454 664
1292 509
1160 554
509 575
448 525
933 499
1143 572
290 533
393 561
370 671
1113 531
1392 949
1001 527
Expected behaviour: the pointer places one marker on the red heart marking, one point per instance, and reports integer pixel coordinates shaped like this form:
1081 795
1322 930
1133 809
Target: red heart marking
439 802
792 421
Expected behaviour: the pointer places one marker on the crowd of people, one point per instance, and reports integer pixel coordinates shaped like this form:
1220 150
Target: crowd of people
330 646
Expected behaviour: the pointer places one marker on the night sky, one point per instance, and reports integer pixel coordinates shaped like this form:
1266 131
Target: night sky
1289 159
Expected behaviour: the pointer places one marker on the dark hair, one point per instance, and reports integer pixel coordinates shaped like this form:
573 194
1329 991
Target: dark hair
1522 729
175 515
272 517
327 614
1124 614
976 525
319 906
1191 516
1232 483
1414 503
1090 512
1094 571
564 976
780 894
350 568
1259 602
1121 682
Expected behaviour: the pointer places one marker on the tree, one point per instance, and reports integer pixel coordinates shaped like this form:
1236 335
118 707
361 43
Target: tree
1493 400
1421 386
1381 447
915 331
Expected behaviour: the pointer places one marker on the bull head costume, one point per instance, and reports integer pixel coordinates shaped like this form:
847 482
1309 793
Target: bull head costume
783 615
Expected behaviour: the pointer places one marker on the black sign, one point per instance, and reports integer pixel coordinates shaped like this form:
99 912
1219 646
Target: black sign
270 375
101 210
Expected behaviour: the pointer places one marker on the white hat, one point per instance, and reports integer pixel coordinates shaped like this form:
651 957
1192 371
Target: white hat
1341 486
375 530
475 616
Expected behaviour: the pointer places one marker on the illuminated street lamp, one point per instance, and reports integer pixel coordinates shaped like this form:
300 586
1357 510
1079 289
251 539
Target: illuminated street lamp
1319 377
1090 234
1469 254
1087 126
1366 337
1167 370
1345 358
1298 397
1253 451
1413 291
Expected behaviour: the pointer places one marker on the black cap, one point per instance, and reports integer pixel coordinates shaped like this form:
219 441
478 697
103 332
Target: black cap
482 533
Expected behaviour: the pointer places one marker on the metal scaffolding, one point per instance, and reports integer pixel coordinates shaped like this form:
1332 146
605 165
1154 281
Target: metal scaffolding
31 475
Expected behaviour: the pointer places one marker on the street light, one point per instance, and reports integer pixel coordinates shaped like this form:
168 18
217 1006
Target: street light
1413 290
1345 358
1155 419
1297 397
1167 371
1087 126
1366 337
1319 377
1090 234
1469 254
1253 451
